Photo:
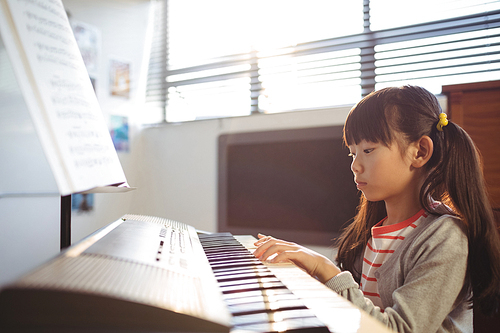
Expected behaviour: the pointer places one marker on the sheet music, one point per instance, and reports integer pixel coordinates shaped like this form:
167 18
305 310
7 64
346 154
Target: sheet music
57 89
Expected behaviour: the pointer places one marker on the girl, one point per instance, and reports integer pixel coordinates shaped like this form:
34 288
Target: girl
424 242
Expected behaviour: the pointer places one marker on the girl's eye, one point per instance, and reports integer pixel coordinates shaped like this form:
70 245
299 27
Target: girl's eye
367 151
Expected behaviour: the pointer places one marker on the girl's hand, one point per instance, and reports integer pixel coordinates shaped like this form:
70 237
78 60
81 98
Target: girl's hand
312 262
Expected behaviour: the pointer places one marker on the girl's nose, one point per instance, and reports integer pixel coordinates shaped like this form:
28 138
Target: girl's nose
355 167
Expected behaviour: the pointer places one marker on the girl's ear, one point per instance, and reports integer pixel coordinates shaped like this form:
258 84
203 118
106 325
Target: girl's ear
424 149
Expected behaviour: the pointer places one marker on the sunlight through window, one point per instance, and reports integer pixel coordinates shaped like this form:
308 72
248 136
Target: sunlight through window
387 14
233 58
215 32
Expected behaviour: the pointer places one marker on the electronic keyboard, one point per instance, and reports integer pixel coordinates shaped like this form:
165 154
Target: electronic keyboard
150 274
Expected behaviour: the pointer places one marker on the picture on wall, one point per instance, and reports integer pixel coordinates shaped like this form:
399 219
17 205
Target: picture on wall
88 39
82 202
119 133
119 78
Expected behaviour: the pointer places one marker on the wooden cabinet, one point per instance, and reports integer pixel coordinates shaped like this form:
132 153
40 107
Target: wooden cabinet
476 108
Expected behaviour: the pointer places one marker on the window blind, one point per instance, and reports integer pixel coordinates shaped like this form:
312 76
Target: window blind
447 52
156 84
457 43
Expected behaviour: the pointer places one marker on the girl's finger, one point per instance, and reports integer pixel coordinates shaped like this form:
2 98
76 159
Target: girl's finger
275 248
262 246
262 239
265 249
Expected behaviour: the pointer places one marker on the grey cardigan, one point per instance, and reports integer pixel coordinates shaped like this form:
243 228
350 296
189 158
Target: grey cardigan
422 284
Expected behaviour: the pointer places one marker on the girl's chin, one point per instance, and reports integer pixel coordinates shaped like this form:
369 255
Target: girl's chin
372 198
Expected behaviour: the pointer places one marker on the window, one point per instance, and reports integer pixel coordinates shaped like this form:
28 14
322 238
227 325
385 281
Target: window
309 81
437 61
388 14
224 58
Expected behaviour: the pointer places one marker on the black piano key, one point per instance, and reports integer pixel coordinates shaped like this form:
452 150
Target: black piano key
217 241
260 298
252 293
243 275
232 270
255 318
229 255
278 305
222 247
215 252
233 256
214 264
306 325
248 269
216 236
263 317
220 242
231 264
252 286
248 281
233 261
238 266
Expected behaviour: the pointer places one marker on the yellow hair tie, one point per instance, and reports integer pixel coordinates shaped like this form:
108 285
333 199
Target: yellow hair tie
443 121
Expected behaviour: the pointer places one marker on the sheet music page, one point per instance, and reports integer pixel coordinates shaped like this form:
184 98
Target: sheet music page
59 95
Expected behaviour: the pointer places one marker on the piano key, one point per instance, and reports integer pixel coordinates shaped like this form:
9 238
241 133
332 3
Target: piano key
274 316
125 276
221 247
218 251
260 298
236 264
243 275
230 255
239 275
227 270
232 261
249 308
252 286
306 325
252 293
330 312
260 280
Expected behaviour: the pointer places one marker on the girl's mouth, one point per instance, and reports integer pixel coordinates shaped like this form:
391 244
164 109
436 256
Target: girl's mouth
360 185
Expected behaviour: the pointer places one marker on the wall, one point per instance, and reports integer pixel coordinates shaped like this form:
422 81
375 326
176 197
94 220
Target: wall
178 178
173 166
29 200
123 27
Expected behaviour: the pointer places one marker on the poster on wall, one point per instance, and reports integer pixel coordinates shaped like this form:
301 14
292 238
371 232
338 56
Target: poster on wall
88 39
119 133
82 202
119 78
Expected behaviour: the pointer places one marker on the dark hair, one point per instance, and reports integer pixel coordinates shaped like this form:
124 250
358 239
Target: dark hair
454 176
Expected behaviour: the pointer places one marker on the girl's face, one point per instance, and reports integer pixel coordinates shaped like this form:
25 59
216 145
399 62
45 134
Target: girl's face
380 172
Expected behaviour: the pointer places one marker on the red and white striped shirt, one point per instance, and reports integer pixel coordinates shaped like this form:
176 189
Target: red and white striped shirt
384 241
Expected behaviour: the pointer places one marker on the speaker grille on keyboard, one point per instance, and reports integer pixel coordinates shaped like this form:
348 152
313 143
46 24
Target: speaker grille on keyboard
136 282
139 272
158 220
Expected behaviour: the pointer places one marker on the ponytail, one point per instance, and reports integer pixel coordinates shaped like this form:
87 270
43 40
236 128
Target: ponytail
457 179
